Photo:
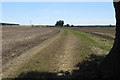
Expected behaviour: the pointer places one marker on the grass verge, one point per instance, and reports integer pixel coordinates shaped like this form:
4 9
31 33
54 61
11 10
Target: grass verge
93 41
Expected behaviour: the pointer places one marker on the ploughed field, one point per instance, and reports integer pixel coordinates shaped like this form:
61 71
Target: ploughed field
35 52
18 39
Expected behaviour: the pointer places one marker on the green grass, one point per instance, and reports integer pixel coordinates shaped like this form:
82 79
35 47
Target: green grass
92 40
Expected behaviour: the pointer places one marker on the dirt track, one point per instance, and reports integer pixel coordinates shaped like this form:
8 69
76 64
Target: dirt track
53 54
57 54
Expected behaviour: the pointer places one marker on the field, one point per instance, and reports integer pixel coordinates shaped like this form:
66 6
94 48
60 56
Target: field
52 52
19 39
106 32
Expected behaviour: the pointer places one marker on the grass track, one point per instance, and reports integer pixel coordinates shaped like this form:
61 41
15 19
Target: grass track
65 52
92 40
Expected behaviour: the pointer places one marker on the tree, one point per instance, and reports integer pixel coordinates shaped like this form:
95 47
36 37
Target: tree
67 25
72 25
59 23
111 64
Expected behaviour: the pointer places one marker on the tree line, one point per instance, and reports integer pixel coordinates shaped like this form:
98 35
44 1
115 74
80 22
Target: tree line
60 23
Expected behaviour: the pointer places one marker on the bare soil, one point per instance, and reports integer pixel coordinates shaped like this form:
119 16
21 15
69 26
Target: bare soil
18 39
42 49
56 54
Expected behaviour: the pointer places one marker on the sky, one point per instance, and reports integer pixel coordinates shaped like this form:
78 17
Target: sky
47 13
58 0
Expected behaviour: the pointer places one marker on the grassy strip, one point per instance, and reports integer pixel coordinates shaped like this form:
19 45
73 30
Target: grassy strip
91 40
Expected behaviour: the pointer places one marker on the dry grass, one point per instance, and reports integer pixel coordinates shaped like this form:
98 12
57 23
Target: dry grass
73 54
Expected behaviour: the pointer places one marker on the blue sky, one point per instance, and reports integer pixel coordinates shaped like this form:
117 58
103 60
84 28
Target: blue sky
47 13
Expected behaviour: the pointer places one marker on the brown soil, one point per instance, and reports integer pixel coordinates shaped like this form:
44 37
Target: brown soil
59 53
18 39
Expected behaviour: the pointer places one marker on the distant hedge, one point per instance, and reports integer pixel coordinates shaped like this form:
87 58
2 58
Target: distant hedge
8 24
